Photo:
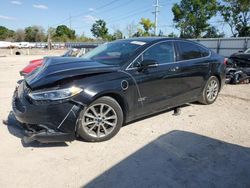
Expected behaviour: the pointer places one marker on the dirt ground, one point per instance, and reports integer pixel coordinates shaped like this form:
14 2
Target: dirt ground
206 146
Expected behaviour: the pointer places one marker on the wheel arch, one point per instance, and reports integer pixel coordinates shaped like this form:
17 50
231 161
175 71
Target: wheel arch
219 78
218 70
119 99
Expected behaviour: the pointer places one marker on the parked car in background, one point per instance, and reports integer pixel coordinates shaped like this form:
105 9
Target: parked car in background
241 61
117 82
34 64
238 68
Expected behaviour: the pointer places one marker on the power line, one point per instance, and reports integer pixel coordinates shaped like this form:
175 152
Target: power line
156 13
118 18
130 15
98 8
86 12
70 21
117 7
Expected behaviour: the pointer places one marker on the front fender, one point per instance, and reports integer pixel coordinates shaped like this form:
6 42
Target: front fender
109 85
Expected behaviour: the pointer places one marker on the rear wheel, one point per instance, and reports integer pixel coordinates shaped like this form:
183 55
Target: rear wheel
210 91
101 120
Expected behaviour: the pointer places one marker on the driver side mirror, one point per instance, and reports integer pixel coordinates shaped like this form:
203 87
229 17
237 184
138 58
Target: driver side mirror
147 63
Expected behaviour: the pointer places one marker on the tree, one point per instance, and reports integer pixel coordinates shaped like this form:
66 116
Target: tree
147 26
139 33
51 31
99 29
212 32
83 38
117 35
191 16
131 29
172 35
161 33
64 33
34 34
19 35
236 13
5 33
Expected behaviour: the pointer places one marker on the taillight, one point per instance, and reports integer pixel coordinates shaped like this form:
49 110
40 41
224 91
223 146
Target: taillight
225 61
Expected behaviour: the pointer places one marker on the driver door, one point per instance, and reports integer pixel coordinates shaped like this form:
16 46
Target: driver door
158 84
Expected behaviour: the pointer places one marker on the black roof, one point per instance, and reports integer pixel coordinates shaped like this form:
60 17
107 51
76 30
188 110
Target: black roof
150 39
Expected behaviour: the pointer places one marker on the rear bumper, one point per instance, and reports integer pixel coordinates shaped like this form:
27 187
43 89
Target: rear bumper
50 122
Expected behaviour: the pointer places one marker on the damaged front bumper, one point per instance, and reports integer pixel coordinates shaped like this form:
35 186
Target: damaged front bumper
43 134
45 122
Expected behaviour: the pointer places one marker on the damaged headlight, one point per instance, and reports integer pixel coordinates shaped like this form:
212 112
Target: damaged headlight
58 94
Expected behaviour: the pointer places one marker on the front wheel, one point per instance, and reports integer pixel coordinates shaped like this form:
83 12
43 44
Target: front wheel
101 120
210 91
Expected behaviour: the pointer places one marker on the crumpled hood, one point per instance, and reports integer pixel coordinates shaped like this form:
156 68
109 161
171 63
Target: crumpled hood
58 68
244 56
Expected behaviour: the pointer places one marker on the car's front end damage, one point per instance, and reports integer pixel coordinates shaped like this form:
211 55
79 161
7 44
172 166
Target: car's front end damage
238 69
48 101
45 121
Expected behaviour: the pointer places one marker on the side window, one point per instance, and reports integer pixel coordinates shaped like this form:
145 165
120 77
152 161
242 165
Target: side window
188 51
162 53
204 52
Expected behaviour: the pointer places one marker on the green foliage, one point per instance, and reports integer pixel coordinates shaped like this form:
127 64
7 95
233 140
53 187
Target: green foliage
5 33
212 32
147 26
117 35
34 34
139 33
83 38
64 33
51 31
236 13
191 16
99 30
19 35
172 35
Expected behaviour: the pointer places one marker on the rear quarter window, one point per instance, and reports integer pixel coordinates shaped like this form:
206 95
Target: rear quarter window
188 50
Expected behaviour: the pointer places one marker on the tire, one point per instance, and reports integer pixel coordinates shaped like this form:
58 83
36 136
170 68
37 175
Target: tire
212 86
100 121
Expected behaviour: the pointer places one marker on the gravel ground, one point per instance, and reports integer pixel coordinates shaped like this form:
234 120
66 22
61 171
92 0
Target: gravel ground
206 146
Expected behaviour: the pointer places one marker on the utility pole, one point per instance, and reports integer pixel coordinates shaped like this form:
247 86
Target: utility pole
156 13
49 39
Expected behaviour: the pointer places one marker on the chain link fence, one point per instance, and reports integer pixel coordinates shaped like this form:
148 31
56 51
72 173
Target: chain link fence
225 46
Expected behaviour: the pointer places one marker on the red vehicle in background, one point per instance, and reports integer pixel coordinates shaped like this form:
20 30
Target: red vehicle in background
31 66
72 52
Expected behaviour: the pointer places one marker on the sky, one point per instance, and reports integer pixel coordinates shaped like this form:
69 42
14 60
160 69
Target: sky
81 14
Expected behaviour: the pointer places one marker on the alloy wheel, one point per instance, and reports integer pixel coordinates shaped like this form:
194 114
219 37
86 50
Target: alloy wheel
99 120
212 90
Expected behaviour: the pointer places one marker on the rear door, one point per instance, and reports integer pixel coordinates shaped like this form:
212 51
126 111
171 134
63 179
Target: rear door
193 66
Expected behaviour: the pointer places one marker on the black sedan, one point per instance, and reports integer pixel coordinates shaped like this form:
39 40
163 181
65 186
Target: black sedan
118 82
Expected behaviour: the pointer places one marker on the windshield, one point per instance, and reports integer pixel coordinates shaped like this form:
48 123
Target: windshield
114 53
72 52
